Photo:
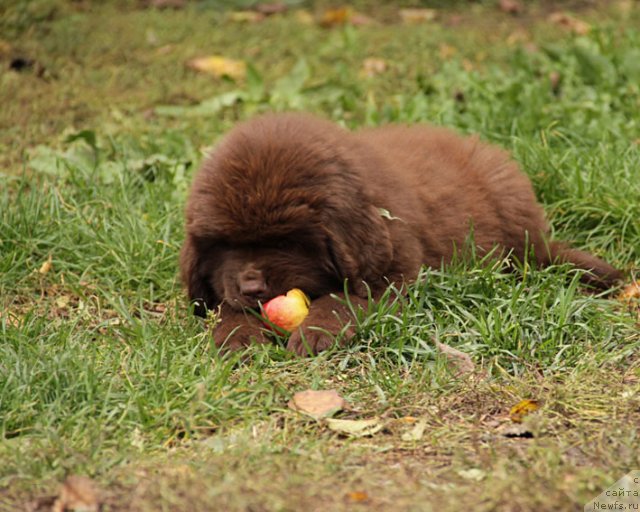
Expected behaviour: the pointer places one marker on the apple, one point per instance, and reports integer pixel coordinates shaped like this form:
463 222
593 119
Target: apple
287 311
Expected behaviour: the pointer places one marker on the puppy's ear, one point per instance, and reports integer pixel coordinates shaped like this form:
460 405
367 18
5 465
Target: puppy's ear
195 278
360 246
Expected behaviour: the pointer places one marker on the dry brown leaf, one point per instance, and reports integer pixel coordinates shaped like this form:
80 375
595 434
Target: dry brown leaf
78 493
373 66
412 16
522 408
336 17
317 404
46 267
567 21
219 66
459 362
511 6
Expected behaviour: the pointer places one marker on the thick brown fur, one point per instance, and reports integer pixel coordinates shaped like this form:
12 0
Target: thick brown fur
292 201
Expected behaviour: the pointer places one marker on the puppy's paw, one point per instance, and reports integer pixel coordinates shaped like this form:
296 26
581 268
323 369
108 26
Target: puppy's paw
307 342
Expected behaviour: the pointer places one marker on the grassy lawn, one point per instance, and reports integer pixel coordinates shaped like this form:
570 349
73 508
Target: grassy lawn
103 371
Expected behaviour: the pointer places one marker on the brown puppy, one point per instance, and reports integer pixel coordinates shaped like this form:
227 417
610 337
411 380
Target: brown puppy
291 201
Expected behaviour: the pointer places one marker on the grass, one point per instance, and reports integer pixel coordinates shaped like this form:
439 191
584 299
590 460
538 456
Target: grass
104 372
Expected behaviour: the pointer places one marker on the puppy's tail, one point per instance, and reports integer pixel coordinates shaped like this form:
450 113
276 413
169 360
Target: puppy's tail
599 273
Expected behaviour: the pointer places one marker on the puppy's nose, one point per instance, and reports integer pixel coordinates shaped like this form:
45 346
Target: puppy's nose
251 283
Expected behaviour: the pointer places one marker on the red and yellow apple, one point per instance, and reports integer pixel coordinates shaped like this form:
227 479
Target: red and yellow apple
287 311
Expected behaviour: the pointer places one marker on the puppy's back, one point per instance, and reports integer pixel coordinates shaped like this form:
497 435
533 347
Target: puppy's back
461 184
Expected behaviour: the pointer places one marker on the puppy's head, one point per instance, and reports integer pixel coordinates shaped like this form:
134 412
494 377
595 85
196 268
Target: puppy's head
281 204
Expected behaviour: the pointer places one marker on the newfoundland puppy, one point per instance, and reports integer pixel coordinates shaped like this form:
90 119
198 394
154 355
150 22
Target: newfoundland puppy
292 201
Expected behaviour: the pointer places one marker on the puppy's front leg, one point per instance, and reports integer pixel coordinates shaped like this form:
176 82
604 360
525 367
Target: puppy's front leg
327 318
236 329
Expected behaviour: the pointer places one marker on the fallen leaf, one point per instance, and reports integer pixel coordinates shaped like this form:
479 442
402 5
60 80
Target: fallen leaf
336 17
631 291
373 66
357 496
46 267
219 66
355 428
569 22
459 362
416 433
317 404
413 16
522 408
510 6
78 493
472 474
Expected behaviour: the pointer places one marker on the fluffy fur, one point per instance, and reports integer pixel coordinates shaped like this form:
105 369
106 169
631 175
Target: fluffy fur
292 201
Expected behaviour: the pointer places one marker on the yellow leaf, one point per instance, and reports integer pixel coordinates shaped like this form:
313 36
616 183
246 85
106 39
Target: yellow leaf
358 496
522 408
46 267
355 428
219 66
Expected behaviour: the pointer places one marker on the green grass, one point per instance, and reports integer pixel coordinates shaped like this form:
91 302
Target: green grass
104 372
